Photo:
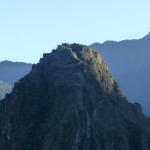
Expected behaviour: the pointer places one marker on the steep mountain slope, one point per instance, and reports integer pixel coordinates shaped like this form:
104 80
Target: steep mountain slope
128 61
70 101
4 89
11 72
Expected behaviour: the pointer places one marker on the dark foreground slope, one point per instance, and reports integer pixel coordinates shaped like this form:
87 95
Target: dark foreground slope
129 63
70 101
11 72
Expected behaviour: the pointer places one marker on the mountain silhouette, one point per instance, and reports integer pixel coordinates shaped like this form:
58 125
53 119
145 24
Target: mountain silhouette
129 63
70 101
11 72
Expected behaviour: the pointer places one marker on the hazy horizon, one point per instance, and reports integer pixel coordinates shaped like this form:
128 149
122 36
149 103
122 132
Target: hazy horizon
21 61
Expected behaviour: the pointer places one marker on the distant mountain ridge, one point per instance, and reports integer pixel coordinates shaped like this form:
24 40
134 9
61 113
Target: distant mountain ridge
11 72
6 62
129 62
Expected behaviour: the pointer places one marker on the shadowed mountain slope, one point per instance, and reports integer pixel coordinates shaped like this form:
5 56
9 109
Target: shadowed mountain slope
70 101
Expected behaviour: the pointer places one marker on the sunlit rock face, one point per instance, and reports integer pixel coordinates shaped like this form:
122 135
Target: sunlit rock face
70 101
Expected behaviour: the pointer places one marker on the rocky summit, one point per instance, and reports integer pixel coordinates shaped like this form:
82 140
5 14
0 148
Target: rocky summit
70 101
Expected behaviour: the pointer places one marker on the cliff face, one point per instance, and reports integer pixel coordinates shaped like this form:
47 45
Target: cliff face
70 101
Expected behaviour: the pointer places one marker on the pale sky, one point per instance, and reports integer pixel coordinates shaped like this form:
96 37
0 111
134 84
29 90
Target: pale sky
28 28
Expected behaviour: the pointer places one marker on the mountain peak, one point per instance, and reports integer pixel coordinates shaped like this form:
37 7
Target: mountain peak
76 51
80 56
70 101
